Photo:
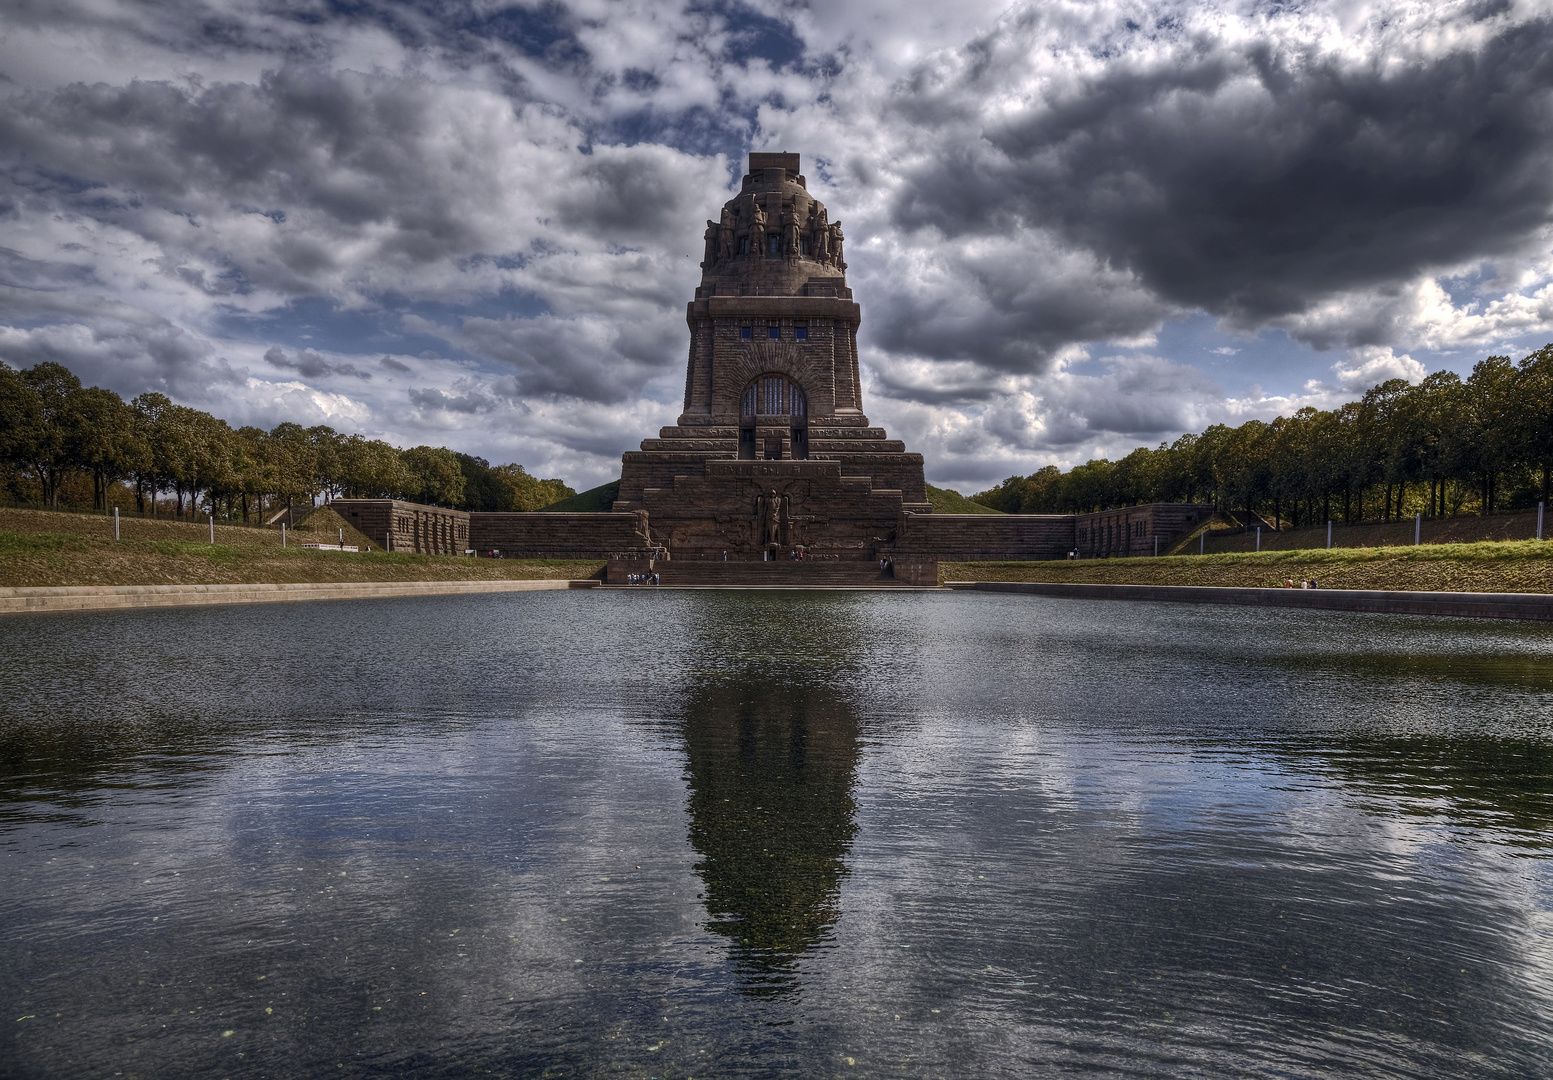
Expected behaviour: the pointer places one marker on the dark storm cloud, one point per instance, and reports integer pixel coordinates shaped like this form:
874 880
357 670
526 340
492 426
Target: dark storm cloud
310 365
431 399
1251 179
592 359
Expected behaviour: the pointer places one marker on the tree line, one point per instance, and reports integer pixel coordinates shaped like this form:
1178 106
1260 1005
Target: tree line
1442 447
57 436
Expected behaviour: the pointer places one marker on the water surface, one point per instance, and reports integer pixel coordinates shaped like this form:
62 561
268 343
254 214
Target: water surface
774 834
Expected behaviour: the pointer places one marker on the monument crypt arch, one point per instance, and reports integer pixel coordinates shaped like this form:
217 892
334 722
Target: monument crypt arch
772 453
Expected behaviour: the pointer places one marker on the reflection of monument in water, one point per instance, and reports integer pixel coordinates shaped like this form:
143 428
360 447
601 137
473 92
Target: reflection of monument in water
771 766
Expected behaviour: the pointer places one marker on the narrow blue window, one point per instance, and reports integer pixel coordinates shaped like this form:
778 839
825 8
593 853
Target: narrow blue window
773 331
800 332
746 331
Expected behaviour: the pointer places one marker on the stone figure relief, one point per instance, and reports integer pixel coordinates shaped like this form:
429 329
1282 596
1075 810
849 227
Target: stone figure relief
713 238
835 246
769 509
819 235
725 236
758 230
792 242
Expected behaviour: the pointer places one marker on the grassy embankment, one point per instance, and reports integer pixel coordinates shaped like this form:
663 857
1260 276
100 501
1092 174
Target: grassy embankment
1488 566
1466 529
38 547
949 501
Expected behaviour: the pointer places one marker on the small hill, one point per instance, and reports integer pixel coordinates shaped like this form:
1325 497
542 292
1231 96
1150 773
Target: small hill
946 501
593 501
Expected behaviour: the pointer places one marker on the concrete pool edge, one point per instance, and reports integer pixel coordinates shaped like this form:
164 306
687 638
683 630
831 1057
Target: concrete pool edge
1533 606
25 600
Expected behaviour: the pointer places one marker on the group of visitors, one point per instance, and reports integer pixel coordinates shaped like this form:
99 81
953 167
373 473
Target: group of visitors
642 579
1288 583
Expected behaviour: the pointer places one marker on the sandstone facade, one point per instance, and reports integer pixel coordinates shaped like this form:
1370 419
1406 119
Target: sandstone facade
773 452
407 526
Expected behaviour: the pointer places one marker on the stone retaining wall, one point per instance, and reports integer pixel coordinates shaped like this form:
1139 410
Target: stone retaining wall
559 536
103 597
984 537
1538 606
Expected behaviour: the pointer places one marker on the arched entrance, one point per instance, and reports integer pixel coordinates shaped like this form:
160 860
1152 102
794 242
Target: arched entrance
770 403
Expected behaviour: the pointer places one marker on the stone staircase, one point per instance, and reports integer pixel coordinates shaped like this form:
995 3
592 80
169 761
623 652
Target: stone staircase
782 574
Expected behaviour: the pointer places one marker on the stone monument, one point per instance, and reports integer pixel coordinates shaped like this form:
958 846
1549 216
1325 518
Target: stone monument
773 454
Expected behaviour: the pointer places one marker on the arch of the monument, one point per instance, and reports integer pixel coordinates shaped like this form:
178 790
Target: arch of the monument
772 393
771 401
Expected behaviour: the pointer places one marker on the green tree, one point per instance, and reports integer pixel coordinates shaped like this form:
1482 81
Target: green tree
1535 413
51 397
103 440
525 492
1489 424
433 476
372 469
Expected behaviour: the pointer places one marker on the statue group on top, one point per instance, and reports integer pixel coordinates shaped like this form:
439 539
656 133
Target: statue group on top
816 238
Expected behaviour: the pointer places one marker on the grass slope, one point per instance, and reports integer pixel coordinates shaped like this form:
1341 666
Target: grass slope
1467 529
948 501
593 501
1518 566
42 548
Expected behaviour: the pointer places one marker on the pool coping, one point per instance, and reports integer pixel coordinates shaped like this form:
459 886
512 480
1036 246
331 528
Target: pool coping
1530 606
46 598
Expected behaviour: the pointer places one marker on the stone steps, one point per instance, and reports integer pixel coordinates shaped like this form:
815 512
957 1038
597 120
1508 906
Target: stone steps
782 573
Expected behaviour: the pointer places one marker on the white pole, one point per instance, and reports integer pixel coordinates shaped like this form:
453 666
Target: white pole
116 523
1202 542
1259 538
1329 532
282 534
1418 528
1156 545
342 537
212 526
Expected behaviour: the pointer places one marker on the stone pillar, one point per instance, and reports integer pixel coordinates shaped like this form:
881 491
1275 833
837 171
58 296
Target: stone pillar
857 377
841 361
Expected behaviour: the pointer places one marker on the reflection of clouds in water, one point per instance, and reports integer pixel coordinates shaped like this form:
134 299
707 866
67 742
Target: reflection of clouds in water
770 765
1063 884
1069 820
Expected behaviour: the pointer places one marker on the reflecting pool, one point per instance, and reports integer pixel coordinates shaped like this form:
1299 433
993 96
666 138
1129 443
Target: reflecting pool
850 834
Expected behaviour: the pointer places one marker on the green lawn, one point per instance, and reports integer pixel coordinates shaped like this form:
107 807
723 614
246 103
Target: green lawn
1514 566
42 548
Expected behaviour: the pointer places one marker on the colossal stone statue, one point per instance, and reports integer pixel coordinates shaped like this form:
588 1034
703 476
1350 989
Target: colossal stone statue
771 518
819 235
758 232
725 236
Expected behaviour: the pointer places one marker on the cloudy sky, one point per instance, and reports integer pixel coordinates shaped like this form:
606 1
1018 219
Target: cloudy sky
1074 228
